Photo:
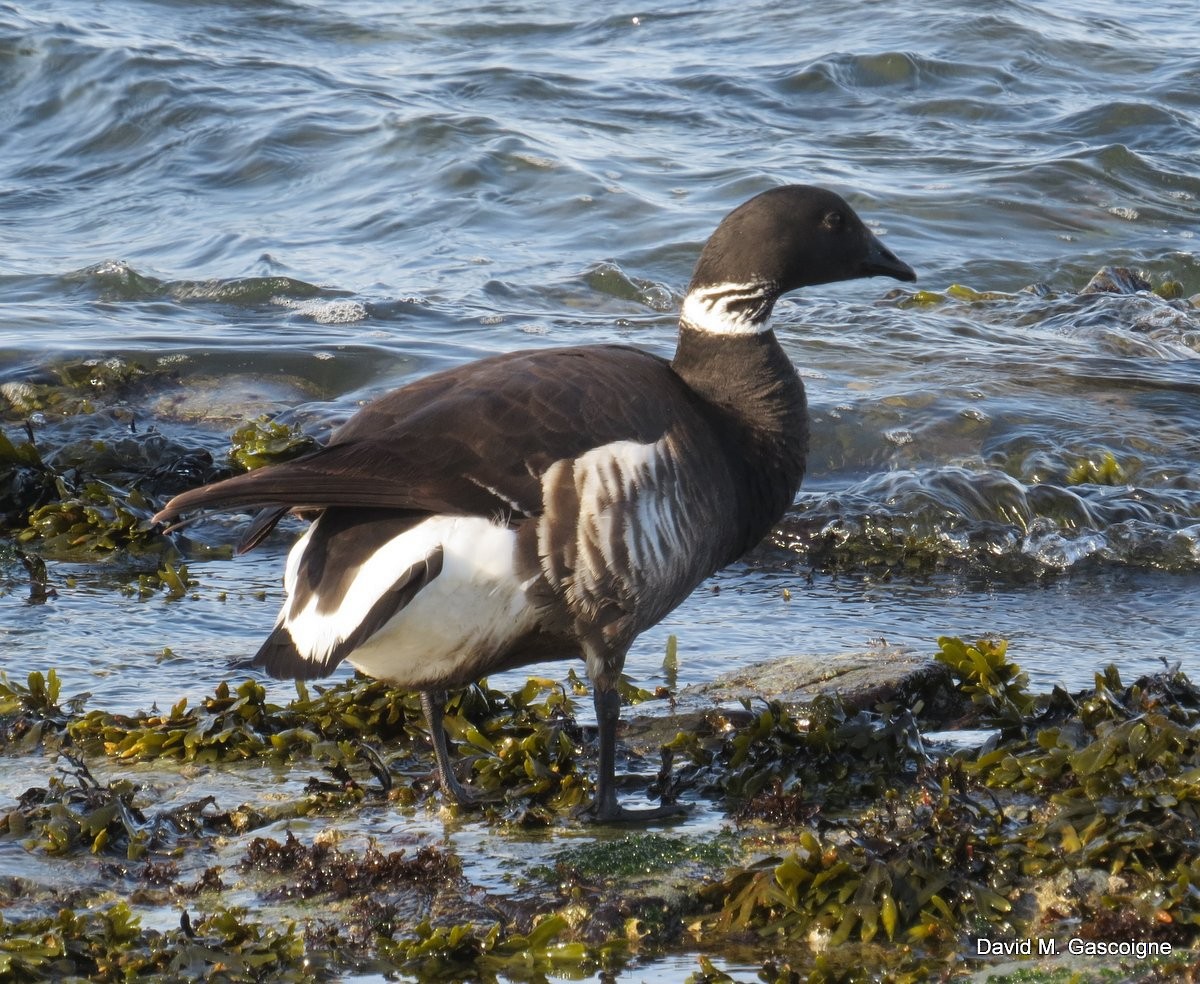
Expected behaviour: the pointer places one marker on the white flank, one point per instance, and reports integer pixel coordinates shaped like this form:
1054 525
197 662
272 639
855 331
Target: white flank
474 606
707 309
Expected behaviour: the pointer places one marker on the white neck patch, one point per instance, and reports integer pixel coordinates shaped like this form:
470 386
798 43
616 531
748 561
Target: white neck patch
729 309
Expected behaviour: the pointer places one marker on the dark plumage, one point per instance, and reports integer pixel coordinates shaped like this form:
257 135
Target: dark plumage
553 503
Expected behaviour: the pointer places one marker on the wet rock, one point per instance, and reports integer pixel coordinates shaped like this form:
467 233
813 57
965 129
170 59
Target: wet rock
1116 280
861 680
230 398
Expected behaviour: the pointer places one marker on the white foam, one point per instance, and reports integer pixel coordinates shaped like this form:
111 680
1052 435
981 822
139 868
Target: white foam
340 311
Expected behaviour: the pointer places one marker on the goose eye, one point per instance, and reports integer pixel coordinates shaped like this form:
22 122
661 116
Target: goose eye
833 221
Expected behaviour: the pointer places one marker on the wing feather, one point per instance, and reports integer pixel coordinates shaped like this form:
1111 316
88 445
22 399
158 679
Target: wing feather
473 440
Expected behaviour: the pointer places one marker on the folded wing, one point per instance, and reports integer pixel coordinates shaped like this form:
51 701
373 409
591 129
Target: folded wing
474 440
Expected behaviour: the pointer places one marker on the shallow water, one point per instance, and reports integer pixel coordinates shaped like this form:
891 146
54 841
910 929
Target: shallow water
289 207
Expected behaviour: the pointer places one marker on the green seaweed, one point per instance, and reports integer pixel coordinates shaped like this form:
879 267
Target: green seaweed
876 543
997 687
1106 471
65 513
918 867
1119 768
520 746
1116 774
466 952
31 714
110 944
26 481
265 441
227 727
856 853
92 519
70 815
771 766
641 854
955 292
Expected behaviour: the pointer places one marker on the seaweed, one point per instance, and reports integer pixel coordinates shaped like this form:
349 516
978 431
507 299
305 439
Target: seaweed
1119 770
90 519
471 953
957 847
917 866
228 726
637 855
31 714
521 746
63 513
856 853
1107 280
322 869
92 499
78 386
77 811
780 758
1106 471
998 688
26 481
110 944
265 441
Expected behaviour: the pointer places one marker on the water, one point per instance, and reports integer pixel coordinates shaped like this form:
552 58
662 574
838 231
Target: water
289 207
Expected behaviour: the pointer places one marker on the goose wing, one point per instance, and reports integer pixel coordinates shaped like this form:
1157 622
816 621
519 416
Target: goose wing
474 440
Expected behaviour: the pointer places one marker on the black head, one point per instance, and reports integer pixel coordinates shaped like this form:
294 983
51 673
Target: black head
790 237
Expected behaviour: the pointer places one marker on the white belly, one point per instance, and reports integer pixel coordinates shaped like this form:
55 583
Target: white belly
474 608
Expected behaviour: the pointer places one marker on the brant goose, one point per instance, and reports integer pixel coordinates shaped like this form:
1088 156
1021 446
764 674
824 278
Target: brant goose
553 503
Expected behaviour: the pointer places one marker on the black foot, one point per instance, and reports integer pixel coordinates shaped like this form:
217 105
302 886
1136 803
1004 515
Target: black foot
606 808
614 813
455 792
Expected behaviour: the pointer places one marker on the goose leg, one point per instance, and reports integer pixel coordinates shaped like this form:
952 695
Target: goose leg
431 703
605 808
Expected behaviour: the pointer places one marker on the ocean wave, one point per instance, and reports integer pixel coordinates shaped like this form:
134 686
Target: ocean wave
990 522
113 280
